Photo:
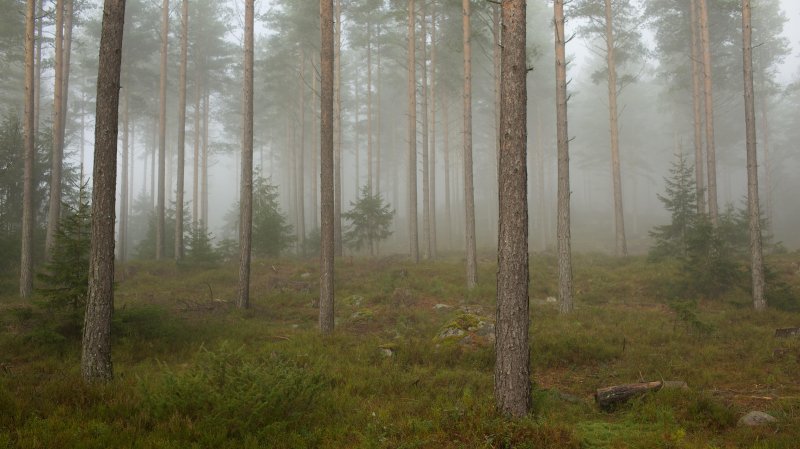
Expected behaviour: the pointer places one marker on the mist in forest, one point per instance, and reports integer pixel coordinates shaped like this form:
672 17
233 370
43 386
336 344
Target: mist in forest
655 117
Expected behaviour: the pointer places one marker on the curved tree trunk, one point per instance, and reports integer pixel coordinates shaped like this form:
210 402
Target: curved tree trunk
96 344
512 385
469 194
562 137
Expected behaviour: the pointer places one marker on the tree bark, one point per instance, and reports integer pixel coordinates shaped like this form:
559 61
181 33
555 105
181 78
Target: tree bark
326 298
512 384
609 398
619 216
432 150
753 210
337 180
697 113
96 345
469 193
413 234
711 161
426 180
179 181
29 125
68 19
162 133
57 157
37 83
246 195
562 138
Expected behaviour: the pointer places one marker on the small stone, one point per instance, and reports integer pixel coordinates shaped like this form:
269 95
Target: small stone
551 300
442 306
387 352
756 418
305 275
451 332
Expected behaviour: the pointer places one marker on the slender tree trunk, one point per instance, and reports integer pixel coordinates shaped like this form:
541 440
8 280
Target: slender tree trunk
204 169
378 123
766 162
26 250
153 151
162 133
697 113
541 200
448 210
754 212
179 187
314 158
432 152
369 107
337 206
711 160
562 137
512 385
57 157
68 19
123 207
246 195
326 299
83 135
426 180
301 185
357 143
96 346
413 234
196 159
37 83
469 194
619 216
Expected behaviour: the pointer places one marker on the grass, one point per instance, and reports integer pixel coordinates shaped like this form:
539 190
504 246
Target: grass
194 372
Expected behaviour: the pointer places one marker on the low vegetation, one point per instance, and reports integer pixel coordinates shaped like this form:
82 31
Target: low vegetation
192 371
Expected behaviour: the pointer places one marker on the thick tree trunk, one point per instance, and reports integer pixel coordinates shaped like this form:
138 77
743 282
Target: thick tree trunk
246 195
619 216
57 156
413 235
711 160
179 188
162 133
696 112
512 383
326 299
562 138
432 150
29 125
96 346
469 192
426 180
753 211
337 180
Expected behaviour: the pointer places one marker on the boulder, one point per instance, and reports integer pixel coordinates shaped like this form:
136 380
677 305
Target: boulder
756 418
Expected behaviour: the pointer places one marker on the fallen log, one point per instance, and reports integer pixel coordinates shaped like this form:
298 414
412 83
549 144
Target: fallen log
787 332
609 398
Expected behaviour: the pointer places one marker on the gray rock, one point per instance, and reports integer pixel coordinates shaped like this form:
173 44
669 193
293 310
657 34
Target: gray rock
387 352
442 306
551 300
450 332
756 418
305 275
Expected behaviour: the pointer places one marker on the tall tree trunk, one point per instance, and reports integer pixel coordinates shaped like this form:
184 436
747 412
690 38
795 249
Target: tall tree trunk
562 137
753 211
96 345
357 126
37 83
711 160
378 122
57 157
196 159
541 200
337 180
426 180
301 185
512 385
179 187
326 300
153 150
314 157
469 194
69 9
696 112
246 195
204 169
769 210
413 234
619 216
369 107
448 209
162 133
123 207
26 250
432 152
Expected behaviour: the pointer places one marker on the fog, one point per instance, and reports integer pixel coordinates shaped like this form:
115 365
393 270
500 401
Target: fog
655 114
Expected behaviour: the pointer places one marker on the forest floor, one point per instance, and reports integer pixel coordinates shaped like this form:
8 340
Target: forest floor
409 366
